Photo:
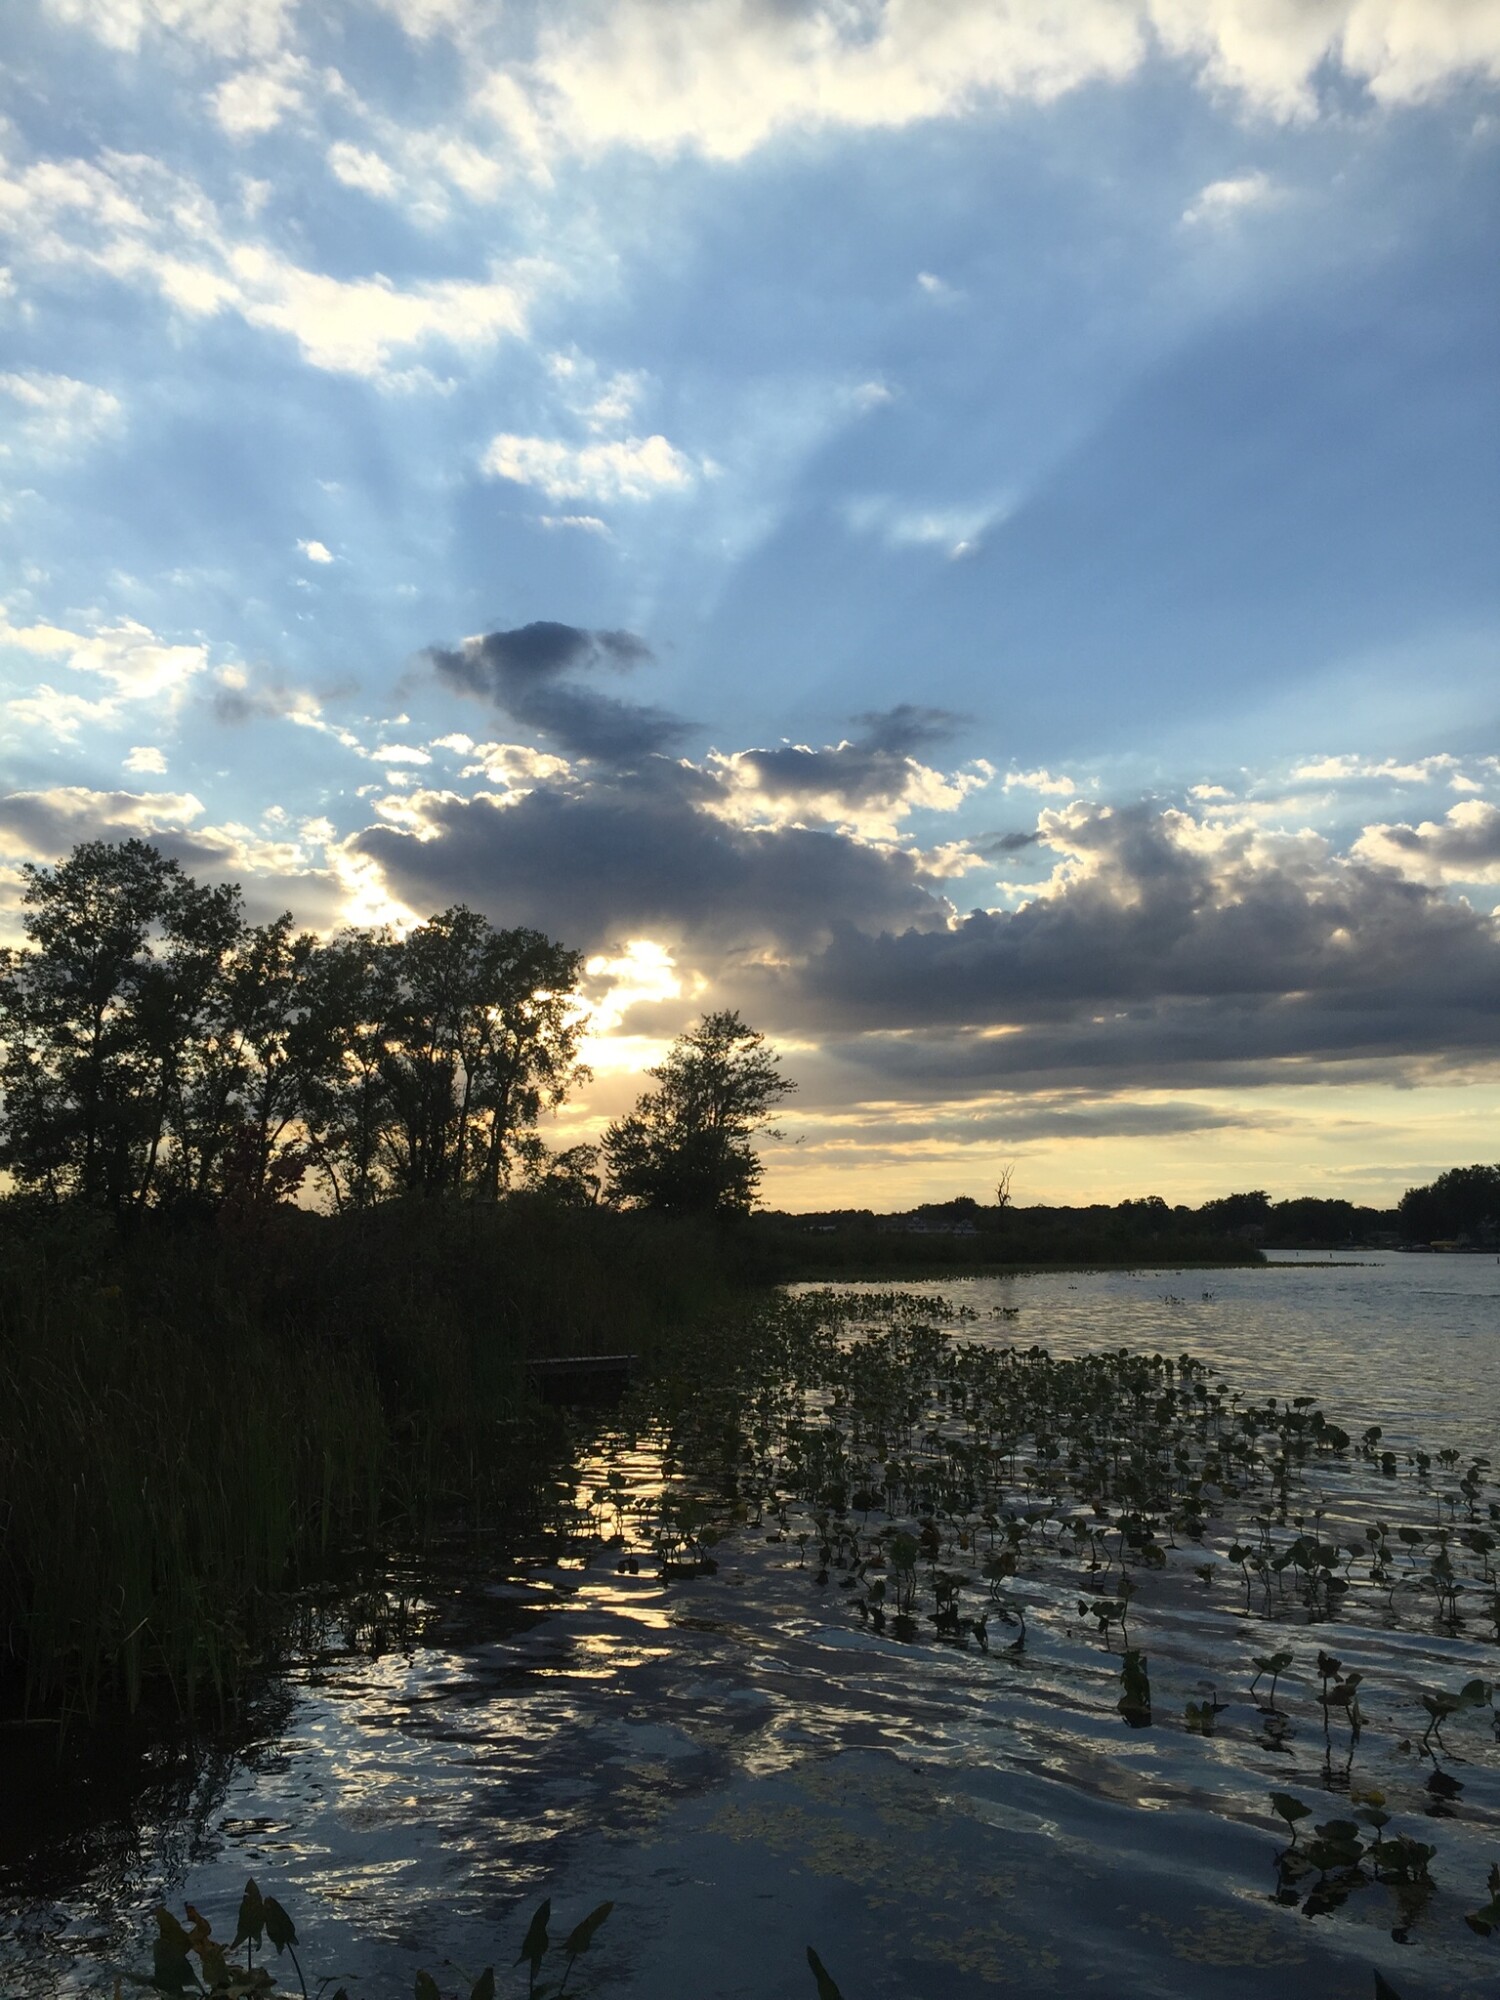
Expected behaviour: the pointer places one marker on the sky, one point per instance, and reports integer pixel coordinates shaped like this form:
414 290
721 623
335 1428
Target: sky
965 531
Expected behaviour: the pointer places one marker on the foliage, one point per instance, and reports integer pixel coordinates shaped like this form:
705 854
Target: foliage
1462 1203
263 1920
685 1149
158 1050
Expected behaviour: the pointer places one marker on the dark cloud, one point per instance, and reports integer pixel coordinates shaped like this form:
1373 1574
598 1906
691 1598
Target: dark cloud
45 827
1164 952
873 768
1168 955
992 845
642 858
521 672
235 706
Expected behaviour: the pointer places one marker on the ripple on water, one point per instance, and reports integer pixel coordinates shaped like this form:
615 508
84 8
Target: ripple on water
745 1769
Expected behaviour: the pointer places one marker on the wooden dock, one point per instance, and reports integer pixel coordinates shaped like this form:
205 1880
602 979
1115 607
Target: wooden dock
584 1380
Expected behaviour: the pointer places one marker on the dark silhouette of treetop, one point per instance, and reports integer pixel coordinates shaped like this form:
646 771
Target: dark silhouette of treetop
686 1146
156 1049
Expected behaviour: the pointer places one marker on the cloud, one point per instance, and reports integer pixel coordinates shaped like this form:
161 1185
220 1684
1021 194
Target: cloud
642 860
521 672
587 524
1059 787
356 167
131 660
957 530
224 28
1220 201
41 826
1412 771
254 101
629 468
1164 947
146 761
725 77
1464 846
316 552
56 414
131 220
867 783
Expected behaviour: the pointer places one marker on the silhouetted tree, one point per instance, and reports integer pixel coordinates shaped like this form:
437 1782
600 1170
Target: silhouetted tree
104 1020
1465 1201
156 1048
686 1146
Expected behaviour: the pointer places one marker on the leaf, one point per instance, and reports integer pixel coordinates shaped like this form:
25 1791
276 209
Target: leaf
484 1986
252 1923
582 1935
534 1944
426 1988
279 1927
1286 1807
171 1972
826 1988
215 1964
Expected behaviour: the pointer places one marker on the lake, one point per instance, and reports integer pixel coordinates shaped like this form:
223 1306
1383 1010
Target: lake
745 1766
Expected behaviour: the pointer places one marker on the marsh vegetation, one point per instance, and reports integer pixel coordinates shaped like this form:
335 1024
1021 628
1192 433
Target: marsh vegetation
1104 1586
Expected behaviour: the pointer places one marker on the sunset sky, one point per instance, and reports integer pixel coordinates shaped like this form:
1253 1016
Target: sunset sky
970 532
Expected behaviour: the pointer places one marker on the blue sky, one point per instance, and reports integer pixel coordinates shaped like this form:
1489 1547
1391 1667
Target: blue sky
967 532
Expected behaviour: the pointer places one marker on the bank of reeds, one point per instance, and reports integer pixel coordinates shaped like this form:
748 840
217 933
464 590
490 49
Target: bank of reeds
194 1422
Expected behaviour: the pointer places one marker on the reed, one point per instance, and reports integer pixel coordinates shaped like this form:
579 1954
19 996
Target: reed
195 1422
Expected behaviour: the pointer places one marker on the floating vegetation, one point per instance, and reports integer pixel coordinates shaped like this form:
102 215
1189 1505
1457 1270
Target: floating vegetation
946 1483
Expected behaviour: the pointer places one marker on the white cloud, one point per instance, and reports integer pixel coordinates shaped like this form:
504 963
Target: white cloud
400 753
316 552
723 77
1220 201
132 660
1060 787
628 468
1413 771
130 219
225 28
588 524
134 664
256 100
146 761
358 168
1462 847
57 413
956 529
514 765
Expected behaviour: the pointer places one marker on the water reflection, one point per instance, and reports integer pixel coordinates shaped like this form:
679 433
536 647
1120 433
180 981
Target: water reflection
745 1768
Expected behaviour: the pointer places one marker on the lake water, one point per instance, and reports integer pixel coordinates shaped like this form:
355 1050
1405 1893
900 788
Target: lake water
745 1769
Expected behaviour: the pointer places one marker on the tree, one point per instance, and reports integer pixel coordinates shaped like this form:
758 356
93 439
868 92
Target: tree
1464 1201
686 1146
489 1027
102 1018
156 1049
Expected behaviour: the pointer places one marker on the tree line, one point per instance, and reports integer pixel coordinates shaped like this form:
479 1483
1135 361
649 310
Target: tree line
158 1051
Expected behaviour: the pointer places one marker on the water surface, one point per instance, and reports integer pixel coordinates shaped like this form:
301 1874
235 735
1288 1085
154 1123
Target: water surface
745 1769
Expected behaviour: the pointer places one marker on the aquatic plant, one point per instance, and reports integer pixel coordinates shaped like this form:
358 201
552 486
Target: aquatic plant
187 1959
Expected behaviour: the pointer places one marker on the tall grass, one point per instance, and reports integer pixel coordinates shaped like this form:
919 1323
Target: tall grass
194 1422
